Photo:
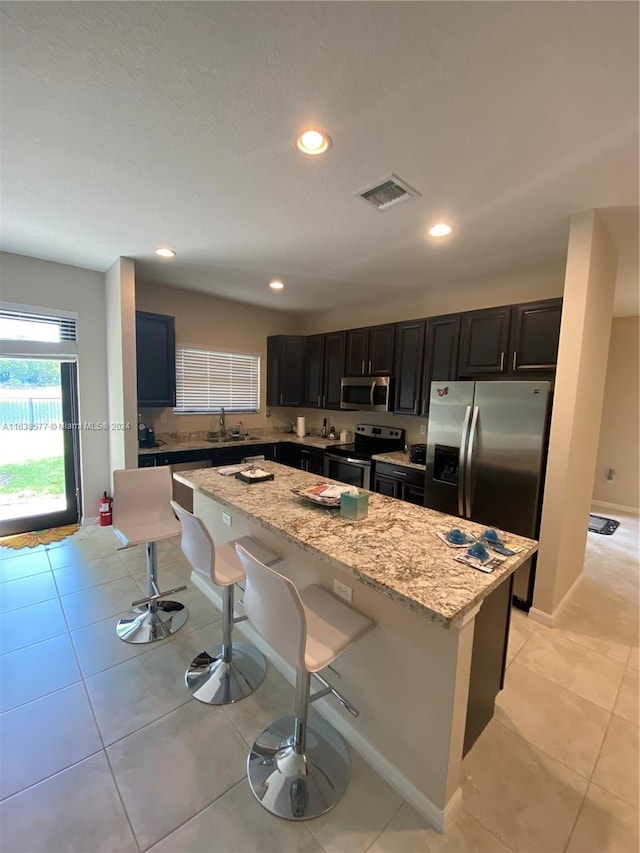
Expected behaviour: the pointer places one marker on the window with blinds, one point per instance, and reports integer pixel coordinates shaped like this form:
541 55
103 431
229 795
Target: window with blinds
26 326
209 380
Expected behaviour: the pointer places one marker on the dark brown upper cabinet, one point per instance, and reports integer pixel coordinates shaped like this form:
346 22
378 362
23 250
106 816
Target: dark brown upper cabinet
155 360
286 370
440 354
370 351
314 387
333 369
484 342
535 334
511 340
408 367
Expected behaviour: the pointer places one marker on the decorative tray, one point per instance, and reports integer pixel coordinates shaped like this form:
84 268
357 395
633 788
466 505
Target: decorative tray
324 494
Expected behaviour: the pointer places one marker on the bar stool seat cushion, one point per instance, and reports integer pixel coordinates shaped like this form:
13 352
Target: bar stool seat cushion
331 627
147 530
228 568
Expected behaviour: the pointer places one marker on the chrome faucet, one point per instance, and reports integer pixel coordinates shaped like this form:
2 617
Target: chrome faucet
223 426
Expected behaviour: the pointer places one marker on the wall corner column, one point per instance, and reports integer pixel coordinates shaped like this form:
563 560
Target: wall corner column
120 305
577 408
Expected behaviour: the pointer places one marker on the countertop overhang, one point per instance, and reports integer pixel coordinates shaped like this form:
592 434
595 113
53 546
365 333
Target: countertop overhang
394 550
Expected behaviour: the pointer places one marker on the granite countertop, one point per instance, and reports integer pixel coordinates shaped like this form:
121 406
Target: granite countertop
399 458
173 446
394 550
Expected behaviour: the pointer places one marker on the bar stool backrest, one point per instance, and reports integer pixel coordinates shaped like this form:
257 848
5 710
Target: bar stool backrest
197 544
273 605
142 495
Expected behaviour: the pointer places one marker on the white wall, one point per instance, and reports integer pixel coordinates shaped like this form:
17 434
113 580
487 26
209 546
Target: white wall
575 422
120 284
619 446
211 321
542 281
44 284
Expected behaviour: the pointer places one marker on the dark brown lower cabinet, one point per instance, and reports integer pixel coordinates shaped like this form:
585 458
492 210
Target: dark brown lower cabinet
488 660
396 481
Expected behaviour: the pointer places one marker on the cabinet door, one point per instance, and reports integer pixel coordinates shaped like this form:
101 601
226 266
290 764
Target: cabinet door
357 356
381 350
155 360
316 462
535 333
484 341
408 368
334 351
440 354
313 387
413 494
285 370
288 453
386 485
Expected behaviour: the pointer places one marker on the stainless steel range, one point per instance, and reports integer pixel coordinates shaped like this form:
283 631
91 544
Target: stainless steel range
351 463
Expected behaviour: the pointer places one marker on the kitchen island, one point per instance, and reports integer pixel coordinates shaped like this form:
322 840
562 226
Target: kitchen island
410 677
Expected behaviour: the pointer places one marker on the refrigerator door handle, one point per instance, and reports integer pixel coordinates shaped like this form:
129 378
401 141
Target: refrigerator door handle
462 460
472 438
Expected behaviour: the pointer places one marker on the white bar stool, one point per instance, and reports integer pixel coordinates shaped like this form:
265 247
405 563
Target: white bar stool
142 515
299 769
234 670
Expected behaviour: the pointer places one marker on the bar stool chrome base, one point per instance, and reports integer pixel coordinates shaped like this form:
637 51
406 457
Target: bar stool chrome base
147 625
298 786
214 681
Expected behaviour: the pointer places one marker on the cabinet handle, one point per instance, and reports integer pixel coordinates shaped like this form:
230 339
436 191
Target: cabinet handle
363 368
324 401
501 361
424 408
515 355
369 365
415 406
280 399
400 473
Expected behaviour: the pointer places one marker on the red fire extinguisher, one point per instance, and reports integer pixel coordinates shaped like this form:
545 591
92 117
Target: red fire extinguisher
104 510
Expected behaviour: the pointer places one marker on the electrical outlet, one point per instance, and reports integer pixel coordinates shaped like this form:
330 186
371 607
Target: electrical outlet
342 590
226 518
423 429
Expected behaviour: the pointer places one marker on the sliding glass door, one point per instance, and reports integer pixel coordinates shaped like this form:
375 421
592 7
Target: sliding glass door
39 486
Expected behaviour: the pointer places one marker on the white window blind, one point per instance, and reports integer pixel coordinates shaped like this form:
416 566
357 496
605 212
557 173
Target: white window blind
32 335
208 380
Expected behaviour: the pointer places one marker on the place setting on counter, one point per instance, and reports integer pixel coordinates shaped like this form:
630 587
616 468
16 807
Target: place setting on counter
483 552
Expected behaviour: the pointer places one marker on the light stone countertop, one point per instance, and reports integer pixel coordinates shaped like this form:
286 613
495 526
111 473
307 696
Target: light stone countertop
173 446
399 458
394 550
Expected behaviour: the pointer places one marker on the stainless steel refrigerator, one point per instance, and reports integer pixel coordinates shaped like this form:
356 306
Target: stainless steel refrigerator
486 457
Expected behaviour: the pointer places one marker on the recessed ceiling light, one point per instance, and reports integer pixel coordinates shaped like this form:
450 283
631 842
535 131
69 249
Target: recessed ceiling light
313 142
440 229
276 285
165 252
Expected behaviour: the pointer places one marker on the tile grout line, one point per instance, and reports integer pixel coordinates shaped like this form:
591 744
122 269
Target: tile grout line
548 754
572 692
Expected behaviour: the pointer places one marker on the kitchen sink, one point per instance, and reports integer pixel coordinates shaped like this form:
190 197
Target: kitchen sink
220 439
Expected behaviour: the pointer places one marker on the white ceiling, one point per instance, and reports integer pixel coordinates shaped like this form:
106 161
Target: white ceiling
128 125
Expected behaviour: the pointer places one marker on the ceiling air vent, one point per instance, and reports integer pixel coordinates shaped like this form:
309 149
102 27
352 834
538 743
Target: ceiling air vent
387 193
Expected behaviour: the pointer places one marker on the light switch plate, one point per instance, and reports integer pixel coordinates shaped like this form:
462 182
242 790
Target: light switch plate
423 429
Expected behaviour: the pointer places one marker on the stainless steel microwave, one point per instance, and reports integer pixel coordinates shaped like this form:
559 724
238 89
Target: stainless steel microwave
367 393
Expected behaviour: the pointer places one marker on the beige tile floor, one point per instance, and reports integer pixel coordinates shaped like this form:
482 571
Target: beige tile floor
102 748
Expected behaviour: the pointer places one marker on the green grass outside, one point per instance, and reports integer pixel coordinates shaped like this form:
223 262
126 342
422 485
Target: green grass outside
38 476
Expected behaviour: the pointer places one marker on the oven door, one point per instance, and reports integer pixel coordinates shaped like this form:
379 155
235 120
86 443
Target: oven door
354 472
